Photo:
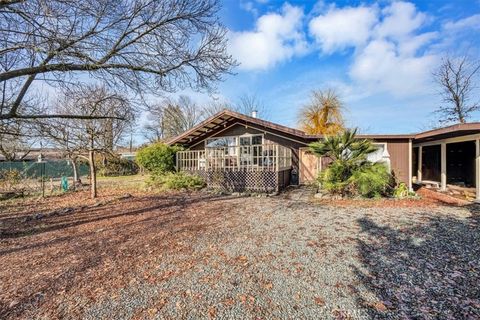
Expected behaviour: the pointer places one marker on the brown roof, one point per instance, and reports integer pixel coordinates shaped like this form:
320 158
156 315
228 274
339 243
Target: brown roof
449 132
223 117
226 117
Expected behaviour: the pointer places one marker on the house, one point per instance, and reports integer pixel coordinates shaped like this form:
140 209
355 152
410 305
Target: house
239 152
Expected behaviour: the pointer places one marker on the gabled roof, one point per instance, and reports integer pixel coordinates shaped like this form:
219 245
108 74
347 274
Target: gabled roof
225 118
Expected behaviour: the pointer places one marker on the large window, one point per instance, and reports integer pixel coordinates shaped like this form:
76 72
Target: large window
251 149
228 144
247 148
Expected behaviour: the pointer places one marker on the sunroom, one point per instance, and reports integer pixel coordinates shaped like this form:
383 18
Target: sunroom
239 163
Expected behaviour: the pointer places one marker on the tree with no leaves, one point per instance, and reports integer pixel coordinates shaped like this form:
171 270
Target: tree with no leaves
457 80
246 104
85 137
323 114
143 45
16 140
171 118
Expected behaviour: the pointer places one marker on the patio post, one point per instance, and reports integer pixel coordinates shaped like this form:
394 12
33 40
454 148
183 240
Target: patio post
477 170
443 166
419 164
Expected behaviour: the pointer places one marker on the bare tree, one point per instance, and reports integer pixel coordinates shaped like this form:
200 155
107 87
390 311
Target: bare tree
215 106
143 45
78 137
171 118
457 80
16 140
248 103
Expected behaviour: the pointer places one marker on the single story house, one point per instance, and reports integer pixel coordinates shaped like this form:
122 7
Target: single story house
239 152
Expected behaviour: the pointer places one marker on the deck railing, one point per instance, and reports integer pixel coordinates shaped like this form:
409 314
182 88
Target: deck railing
268 157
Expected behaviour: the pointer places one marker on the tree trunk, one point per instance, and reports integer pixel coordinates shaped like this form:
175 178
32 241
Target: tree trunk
75 172
93 174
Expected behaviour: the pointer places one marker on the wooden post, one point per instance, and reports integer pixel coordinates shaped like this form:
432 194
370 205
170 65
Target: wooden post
443 171
419 164
177 156
276 158
477 170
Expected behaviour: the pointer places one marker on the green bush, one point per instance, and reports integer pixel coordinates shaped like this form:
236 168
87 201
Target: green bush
401 191
350 173
177 181
116 166
368 180
371 180
334 178
157 158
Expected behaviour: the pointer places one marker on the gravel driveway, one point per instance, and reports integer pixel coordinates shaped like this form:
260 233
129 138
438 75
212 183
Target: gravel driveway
280 257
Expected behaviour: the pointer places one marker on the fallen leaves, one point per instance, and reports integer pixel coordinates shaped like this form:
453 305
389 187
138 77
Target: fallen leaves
319 301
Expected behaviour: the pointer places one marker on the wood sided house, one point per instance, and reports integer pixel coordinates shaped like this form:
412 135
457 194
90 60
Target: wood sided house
238 152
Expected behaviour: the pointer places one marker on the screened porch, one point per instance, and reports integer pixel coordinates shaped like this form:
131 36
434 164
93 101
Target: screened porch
265 157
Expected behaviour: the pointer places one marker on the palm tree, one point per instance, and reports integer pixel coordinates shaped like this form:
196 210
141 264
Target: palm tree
350 171
344 147
323 115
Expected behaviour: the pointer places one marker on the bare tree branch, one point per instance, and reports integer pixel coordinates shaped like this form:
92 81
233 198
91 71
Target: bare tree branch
146 46
456 78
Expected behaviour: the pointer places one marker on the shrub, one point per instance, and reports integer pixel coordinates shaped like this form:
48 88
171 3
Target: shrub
401 191
157 157
351 173
10 179
334 178
116 166
371 180
177 181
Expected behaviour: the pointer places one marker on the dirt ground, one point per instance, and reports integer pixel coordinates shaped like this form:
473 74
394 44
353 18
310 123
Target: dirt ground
199 255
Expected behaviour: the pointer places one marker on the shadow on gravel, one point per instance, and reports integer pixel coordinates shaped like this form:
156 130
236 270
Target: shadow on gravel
117 239
426 271
22 226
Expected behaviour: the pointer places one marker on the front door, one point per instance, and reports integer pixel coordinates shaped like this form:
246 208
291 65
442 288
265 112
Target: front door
309 166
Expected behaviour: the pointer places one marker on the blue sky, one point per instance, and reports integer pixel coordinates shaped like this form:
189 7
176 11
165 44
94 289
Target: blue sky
378 55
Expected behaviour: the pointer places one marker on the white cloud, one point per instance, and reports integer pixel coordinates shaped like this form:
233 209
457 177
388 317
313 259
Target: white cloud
277 37
380 67
387 43
400 20
340 28
472 22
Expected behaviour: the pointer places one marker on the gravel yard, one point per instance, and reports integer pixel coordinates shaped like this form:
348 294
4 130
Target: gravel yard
189 256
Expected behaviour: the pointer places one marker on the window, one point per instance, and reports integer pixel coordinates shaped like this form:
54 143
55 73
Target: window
228 144
251 140
250 149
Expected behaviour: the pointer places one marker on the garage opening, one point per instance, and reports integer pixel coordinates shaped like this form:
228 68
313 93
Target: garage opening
461 164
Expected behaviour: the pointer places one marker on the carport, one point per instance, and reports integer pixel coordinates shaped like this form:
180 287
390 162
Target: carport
448 156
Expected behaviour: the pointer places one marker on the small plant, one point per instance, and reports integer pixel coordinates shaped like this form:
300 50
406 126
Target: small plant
157 158
10 179
401 191
176 181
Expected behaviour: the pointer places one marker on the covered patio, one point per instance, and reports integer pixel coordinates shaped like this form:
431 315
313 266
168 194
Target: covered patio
449 158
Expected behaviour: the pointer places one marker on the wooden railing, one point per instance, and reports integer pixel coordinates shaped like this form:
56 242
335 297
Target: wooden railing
268 157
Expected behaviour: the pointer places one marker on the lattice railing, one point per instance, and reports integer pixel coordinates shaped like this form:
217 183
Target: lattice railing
267 157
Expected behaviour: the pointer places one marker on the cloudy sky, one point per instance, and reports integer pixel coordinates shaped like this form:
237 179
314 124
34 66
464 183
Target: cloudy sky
378 55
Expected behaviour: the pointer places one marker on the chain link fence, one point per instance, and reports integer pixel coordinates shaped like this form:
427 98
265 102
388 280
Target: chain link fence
31 178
